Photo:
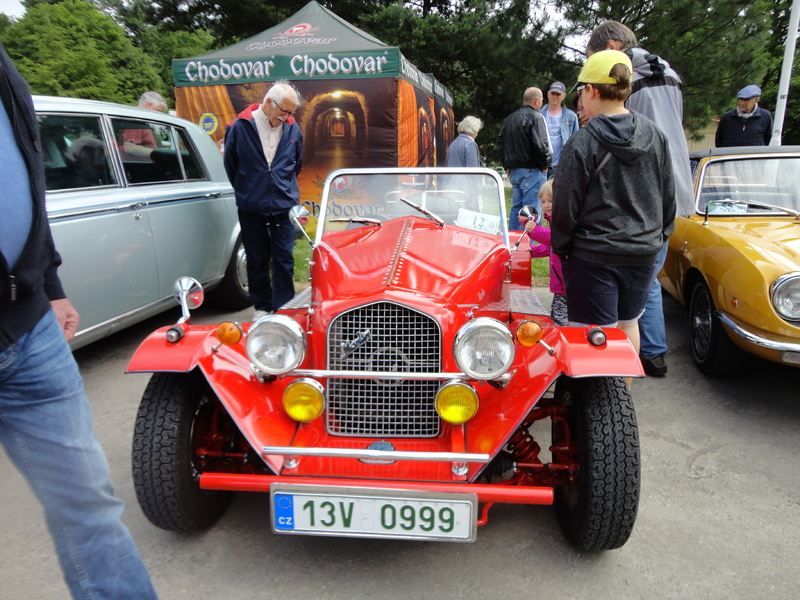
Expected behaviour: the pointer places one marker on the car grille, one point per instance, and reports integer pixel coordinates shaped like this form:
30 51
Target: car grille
383 337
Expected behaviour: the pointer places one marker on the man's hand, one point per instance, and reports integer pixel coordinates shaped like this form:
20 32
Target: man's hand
67 317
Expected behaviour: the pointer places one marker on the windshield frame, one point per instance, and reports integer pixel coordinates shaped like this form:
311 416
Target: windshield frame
761 191
419 171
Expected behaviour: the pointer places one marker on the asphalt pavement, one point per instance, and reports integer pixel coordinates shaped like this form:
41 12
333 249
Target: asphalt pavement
719 515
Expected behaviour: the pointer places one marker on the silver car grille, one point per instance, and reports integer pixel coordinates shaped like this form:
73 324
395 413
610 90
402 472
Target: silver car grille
383 337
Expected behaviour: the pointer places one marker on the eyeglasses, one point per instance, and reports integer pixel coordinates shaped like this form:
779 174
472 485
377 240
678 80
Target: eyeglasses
580 87
283 110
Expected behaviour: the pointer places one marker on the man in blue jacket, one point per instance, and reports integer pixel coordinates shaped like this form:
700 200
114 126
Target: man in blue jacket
561 122
263 156
45 417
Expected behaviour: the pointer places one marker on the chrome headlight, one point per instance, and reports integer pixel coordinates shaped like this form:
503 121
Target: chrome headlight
786 296
276 344
484 348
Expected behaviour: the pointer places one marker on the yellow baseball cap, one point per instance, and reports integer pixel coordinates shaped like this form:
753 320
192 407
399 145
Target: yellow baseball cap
597 67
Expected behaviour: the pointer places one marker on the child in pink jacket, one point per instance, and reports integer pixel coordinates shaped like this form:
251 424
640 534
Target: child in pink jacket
537 233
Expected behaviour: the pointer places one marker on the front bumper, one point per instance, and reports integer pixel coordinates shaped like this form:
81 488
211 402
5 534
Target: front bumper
773 349
488 493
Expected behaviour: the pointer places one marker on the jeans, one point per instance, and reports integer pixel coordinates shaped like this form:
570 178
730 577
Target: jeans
652 330
525 184
268 242
46 429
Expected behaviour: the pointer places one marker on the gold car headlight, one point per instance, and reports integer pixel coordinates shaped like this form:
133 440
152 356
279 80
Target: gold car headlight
484 348
456 402
786 296
276 344
304 400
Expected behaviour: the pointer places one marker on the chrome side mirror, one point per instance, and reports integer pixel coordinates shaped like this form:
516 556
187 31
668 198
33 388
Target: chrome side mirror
299 216
189 294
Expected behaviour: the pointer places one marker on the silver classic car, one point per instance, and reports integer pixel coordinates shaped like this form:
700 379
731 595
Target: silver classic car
136 198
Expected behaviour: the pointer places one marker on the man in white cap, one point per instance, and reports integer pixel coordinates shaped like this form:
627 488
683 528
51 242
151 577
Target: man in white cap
746 125
561 122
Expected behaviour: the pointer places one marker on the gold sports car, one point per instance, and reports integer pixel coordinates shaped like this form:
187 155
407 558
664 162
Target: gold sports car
735 264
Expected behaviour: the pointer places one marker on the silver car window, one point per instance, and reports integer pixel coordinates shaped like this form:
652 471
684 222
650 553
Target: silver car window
75 153
155 152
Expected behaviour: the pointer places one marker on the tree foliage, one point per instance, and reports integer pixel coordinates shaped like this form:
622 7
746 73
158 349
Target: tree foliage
70 49
486 51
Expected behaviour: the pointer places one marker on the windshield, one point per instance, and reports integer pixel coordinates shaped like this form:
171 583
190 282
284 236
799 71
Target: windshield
750 186
472 199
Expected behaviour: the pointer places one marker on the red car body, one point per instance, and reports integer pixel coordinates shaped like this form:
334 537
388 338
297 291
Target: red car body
416 281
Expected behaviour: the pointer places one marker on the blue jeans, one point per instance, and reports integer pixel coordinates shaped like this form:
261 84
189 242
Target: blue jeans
46 429
525 184
652 330
268 242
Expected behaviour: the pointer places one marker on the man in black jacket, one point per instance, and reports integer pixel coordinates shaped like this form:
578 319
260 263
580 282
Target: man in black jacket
524 148
746 125
45 418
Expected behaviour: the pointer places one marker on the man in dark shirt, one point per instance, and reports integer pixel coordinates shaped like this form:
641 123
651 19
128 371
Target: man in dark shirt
746 125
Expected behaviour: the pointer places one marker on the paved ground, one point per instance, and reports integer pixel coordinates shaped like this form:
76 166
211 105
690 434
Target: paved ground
719 515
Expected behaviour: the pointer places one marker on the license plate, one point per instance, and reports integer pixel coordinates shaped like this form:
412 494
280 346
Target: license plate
377 513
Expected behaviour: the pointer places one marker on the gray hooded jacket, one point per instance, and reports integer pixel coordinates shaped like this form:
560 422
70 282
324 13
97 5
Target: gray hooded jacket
622 213
657 94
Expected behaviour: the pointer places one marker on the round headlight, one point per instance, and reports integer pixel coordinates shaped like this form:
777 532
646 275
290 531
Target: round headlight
276 344
304 400
456 402
484 348
786 296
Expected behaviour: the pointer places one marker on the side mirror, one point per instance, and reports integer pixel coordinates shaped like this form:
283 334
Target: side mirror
299 216
189 294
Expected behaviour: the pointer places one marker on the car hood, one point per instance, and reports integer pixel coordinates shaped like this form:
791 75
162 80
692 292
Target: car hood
414 254
776 239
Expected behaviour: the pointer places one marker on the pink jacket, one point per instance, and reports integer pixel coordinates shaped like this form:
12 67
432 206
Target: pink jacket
542 236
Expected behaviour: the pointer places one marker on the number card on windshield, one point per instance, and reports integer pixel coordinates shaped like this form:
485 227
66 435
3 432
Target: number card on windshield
377 513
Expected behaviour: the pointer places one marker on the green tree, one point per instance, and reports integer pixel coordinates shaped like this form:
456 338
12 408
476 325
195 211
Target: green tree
716 46
70 49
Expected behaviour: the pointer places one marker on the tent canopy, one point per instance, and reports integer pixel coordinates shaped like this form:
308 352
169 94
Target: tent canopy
312 44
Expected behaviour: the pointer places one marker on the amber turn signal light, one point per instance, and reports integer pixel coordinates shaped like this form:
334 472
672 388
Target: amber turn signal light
229 333
529 333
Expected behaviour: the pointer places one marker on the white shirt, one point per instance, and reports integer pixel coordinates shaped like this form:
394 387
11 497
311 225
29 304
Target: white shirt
270 136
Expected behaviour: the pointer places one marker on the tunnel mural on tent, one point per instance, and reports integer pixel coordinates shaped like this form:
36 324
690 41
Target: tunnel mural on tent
364 104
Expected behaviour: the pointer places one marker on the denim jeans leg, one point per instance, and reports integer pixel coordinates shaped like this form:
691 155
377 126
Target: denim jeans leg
526 184
652 329
282 244
46 429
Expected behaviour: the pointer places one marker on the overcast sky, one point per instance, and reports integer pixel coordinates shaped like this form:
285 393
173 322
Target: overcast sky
12 8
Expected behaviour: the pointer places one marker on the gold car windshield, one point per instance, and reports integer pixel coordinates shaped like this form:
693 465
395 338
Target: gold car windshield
750 186
367 199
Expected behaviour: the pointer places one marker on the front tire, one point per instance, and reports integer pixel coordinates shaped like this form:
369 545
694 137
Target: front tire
597 506
714 352
178 416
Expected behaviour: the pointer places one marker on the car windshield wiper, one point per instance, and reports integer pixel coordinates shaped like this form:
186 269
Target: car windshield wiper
756 204
424 211
363 220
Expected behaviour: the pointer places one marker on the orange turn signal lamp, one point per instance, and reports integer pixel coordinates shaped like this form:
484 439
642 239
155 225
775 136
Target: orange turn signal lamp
229 333
529 333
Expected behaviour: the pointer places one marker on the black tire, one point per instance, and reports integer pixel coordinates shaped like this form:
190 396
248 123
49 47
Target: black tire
233 292
176 415
597 506
714 352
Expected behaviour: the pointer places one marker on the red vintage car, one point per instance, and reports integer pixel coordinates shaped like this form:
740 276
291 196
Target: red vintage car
416 382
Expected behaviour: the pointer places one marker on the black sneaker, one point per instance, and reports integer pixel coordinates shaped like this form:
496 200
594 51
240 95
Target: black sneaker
656 366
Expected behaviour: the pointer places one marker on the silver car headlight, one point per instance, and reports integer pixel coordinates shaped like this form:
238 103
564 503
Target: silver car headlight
484 348
276 344
786 296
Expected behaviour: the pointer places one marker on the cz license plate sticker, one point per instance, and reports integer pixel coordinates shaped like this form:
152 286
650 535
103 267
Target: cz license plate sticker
376 513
